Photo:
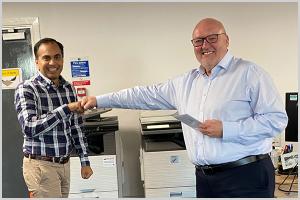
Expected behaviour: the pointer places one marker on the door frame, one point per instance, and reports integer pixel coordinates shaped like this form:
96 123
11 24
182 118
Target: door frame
24 22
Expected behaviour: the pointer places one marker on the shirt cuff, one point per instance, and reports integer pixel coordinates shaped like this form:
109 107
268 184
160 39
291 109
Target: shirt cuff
63 111
230 131
103 101
84 160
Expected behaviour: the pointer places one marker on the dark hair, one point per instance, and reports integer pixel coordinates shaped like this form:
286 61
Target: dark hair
45 41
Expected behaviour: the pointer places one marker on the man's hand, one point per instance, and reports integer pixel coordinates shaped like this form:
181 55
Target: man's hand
76 107
86 172
212 128
88 102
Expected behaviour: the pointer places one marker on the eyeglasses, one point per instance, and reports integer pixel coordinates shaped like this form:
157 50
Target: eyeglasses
210 39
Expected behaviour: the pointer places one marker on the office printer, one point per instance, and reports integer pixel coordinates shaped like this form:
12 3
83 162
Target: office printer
104 146
165 168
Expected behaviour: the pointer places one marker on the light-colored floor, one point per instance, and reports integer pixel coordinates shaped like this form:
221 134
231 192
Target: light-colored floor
286 186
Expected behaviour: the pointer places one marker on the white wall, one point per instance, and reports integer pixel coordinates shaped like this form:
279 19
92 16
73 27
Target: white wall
132 44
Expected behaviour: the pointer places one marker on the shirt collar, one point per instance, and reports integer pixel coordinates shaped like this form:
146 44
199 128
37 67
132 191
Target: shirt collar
224 63
47 82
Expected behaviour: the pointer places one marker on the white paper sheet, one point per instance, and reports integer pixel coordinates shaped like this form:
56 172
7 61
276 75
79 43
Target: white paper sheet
188 120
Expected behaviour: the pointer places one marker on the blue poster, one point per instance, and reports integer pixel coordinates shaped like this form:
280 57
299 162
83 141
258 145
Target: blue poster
80 68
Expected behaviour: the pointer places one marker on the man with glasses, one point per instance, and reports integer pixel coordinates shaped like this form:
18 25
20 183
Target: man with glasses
239 106
48 113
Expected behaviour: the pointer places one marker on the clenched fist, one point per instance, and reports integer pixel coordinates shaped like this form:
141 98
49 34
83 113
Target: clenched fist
76 107
86 172
88 102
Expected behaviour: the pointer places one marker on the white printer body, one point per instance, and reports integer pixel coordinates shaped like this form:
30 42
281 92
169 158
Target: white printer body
165 168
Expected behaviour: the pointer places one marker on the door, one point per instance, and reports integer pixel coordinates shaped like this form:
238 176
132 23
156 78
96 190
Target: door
17 52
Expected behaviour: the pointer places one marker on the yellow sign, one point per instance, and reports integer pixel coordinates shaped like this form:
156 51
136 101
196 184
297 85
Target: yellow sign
10 72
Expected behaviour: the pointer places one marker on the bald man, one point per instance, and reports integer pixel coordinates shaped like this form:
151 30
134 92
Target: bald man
239 106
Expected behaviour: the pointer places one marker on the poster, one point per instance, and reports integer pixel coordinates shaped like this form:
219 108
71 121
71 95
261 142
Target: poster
80 68
11 78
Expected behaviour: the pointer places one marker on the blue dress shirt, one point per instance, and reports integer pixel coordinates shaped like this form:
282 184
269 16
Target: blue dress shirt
237 92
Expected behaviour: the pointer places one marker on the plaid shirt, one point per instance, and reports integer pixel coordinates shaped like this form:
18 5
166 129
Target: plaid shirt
49 127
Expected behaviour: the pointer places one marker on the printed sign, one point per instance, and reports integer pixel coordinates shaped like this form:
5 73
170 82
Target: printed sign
289 160
81 83
11 78
80 68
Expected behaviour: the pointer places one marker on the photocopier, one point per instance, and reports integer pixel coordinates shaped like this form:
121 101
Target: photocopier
104 148
165 168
